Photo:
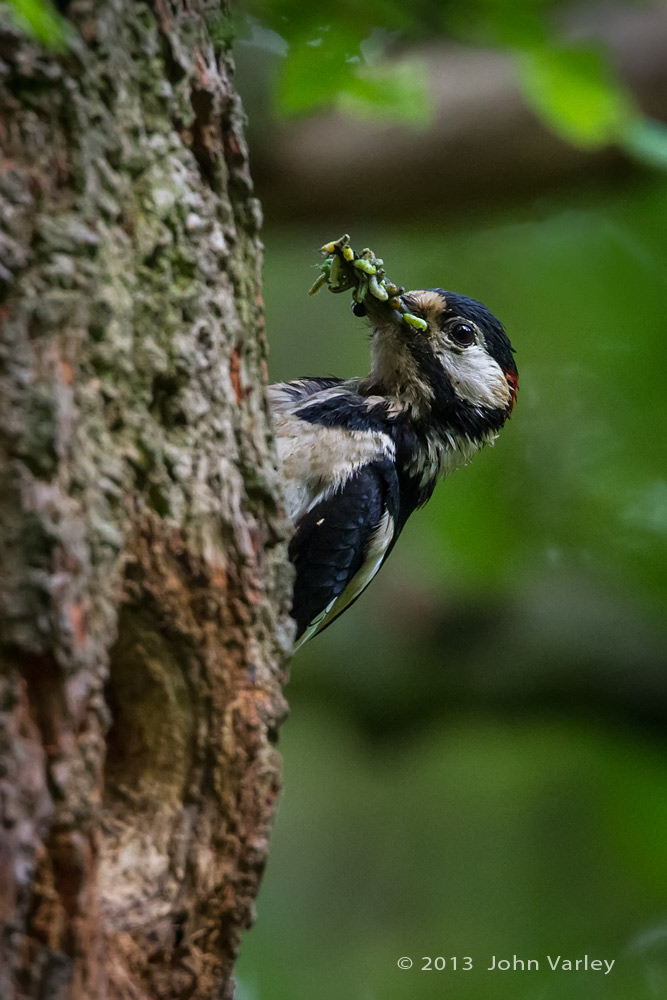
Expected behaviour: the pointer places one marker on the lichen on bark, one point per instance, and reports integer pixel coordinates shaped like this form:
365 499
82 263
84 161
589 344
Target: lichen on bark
144 591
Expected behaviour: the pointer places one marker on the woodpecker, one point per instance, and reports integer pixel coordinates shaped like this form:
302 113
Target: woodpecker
359 455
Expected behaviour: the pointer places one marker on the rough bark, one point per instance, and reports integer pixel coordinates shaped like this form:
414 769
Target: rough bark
144 588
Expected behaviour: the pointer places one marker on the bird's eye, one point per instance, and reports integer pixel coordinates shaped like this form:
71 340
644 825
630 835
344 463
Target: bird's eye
463 333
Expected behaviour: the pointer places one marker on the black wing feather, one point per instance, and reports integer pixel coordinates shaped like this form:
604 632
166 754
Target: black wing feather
330 542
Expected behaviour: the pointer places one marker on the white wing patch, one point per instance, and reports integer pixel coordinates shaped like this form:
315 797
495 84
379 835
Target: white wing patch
375 554
315 459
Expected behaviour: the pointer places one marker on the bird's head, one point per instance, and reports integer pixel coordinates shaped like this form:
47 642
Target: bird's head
457 372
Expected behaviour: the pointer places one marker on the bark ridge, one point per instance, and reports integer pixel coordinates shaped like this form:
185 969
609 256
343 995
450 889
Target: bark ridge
144 591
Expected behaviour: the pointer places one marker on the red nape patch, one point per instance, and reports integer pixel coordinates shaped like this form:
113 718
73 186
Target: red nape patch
513 382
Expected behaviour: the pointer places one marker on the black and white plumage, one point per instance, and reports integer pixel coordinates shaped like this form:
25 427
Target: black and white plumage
360 455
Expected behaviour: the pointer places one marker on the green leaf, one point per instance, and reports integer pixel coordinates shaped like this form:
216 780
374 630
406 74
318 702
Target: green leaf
574 91
512 23
329 70
316 69
646 140
41 21
397 92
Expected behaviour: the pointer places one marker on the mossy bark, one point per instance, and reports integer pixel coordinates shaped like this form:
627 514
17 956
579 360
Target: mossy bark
144 588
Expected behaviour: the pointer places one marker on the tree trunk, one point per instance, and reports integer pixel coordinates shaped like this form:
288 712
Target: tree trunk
144 586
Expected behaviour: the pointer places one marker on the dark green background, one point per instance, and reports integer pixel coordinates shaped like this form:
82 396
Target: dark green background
475 759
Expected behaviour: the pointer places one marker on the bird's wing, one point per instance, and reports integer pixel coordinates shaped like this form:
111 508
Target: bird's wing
324 434
339 545
284 395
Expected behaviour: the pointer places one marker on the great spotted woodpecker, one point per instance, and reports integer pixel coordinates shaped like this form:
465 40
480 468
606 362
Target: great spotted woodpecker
360 455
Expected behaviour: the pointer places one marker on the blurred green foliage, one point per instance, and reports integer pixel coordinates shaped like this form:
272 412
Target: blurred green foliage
340 58
647 139
475 761
40 20
464 774
574 91
489 839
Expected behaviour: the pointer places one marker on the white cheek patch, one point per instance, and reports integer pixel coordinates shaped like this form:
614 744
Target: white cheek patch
476 377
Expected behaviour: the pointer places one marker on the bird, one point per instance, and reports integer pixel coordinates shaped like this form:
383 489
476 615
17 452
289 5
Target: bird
358 456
